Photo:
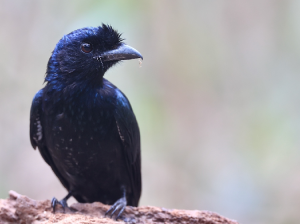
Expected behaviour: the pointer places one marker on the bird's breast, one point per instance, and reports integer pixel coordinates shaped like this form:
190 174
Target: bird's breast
84 139
82 135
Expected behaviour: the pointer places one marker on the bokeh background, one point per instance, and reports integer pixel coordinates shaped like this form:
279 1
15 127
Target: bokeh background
217 99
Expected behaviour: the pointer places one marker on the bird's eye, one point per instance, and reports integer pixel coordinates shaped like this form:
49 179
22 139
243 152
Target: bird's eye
86 48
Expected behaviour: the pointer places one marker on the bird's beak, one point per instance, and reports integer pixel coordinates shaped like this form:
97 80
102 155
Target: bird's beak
123 52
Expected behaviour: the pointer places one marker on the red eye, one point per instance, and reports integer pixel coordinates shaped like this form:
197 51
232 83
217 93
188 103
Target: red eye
86 48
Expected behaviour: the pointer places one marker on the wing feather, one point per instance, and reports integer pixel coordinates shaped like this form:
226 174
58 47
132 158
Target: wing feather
130 136
37 137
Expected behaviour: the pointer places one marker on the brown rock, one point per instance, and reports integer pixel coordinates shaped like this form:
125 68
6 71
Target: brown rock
21 209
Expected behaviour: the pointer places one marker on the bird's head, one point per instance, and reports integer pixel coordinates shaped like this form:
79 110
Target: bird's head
87 53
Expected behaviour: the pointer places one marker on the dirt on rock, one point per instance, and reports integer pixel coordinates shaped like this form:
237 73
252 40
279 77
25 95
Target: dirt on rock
21 209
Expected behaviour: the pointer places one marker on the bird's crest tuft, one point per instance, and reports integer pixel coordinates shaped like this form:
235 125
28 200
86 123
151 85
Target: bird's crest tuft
114 33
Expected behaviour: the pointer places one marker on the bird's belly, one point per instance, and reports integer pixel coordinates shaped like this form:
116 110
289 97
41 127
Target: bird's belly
89 156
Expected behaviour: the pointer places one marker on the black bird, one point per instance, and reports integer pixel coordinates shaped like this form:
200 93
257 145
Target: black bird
84 126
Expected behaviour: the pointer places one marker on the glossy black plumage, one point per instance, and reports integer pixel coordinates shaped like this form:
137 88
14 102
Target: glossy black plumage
83 125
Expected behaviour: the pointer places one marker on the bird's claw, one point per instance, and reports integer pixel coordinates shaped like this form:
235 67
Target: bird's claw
118 205
62 202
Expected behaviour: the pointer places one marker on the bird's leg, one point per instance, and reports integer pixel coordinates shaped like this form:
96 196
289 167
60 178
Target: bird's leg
62 202
119 205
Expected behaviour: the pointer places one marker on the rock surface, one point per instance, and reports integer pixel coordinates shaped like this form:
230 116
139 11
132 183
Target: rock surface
21 209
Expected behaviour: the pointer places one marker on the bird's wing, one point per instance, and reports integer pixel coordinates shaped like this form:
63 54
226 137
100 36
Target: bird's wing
130 136
36 128
37 137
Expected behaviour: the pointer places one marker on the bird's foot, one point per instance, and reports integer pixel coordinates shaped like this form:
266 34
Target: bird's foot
119 205
62 202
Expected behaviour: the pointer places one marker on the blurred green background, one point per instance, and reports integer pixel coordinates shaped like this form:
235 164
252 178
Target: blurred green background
217 99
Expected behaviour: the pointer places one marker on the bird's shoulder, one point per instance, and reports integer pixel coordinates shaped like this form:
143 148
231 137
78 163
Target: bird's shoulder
110 94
